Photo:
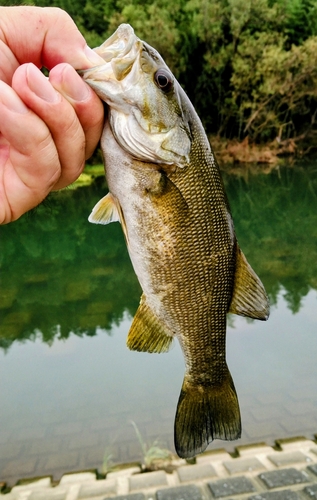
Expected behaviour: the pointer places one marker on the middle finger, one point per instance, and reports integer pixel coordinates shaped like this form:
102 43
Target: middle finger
59 116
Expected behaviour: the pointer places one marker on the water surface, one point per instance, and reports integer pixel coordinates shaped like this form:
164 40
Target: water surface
69 388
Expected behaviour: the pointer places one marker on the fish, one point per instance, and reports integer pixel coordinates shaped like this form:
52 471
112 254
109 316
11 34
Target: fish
166 190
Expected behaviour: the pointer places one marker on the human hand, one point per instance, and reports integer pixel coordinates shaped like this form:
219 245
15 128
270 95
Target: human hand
48 127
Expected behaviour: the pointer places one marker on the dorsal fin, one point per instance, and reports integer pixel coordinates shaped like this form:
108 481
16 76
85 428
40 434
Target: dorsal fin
147 334
108 210
249 296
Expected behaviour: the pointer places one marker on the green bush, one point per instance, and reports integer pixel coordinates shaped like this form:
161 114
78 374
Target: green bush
249 66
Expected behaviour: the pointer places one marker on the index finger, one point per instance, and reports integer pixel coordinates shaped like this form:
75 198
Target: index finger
44 36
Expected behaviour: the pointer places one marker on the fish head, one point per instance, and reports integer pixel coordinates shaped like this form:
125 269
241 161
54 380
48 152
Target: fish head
146 113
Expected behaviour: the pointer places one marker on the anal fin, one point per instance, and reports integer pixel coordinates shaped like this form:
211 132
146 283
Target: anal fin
249 296
147 333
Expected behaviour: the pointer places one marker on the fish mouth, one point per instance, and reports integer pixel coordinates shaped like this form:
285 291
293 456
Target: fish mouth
119 44
119 52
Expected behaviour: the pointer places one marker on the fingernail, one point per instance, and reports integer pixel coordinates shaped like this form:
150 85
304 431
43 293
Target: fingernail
73 85
11 101
39 84
93 57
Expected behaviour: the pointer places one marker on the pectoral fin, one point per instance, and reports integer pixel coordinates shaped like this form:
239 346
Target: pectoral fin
249 296
147 334
108 210
105 211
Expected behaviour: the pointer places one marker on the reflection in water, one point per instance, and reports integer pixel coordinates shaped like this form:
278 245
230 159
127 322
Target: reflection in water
61 275
275 218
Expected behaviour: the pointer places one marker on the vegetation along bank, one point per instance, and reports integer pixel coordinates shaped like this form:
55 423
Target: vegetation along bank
249 66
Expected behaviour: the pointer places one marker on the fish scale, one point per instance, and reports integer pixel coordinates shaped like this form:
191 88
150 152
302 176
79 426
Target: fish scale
166 190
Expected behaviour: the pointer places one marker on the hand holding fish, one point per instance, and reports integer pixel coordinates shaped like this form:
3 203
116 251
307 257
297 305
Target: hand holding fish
48 127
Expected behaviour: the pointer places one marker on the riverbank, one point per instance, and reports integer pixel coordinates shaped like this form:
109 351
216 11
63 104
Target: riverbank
229 153
232 151
287 471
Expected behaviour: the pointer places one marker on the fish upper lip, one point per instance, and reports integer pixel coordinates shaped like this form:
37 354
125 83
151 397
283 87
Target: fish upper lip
98 73
83 72
121 45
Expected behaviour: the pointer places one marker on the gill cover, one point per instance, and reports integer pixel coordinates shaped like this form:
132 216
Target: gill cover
146 115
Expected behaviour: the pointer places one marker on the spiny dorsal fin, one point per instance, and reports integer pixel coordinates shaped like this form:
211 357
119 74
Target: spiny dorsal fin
108 210
249 296
147 334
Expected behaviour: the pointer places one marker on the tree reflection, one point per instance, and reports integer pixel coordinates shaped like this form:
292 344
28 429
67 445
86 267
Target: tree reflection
276 223
60 274
57 269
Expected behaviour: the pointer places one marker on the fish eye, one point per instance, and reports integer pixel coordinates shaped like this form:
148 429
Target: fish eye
163 79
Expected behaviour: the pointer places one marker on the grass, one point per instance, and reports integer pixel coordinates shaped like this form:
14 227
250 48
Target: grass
154 456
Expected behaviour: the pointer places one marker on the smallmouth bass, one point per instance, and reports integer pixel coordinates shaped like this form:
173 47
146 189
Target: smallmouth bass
166 190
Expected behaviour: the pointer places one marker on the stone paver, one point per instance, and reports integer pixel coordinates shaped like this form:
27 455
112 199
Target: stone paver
313 468
276 495
58 493
311 491
126 472
286 477
188 473
80 477
190 492
95 488
231 486
130 496
259 472
283 459
244 465
44 482
149 480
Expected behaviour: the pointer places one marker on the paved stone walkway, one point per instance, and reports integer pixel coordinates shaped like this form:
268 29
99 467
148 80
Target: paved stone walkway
260 472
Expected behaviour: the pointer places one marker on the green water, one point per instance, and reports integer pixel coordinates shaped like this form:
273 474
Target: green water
57 269
68 385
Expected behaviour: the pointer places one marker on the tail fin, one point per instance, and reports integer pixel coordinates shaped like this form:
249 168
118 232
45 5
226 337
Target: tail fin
205 413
